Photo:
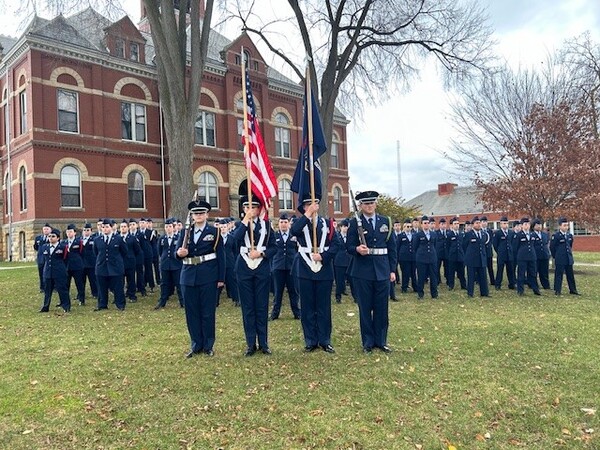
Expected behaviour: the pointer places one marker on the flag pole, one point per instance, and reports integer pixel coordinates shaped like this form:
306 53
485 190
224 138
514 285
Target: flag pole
246 148
311 161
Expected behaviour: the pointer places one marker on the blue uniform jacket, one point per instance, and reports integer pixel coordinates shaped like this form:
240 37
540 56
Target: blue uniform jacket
38 246
286 251
542 250
342 257
143 238
264 269
373 267
87 254
55 266
133 249
406 247
74 254
301 268
231 251
489 243
168 253
503 245
441 244
561 248
109 258
454 246
425 249
526 248
211 271
154 238
474 248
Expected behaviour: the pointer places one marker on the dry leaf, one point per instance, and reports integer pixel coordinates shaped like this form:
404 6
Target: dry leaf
588 430
451 447
479 437
27 431
566 432
478 414
589 411
556 401
33 382
487 436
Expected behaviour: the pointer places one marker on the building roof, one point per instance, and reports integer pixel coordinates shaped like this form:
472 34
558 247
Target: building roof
462 200
6 42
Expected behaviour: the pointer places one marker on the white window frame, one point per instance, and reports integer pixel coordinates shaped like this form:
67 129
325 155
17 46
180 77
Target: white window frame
129 189
133 121
23 111
62 205
202 115
58 110
285 196
206 186
337 208
282 136
23 188
134 55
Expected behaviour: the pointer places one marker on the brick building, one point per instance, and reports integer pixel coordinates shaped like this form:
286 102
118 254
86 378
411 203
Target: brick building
80 135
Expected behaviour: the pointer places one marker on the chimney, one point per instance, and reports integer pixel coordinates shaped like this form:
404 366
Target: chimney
446 189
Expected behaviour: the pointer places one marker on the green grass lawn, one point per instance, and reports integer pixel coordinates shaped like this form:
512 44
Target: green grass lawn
507 372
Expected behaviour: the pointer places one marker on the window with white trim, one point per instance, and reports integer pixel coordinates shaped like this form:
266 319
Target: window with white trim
286 201
23 111
23 187
337 199
334 155
134 51
133 122
282 136
135 190
67 103
70 187
204 130
208 189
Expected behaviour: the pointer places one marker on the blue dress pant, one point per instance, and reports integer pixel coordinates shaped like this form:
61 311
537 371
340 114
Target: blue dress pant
409 272
559 271
254 299
373 312
503 265
478 274
425 271
456 269
116 285
169 283
315 314
526 270
283 279
200 314
60 284
89 273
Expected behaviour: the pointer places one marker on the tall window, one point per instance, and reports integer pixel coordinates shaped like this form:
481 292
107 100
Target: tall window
120 48
133 122
22 245
70 187
285 195
337 199
67 111
23 187
335 162
135 188
282 136
208 189
6 188
240 123
205 129
23 111
134 52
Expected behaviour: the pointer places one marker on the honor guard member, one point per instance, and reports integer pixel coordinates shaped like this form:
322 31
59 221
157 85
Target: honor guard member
397 231
110 250
426 259
89 260
516 229
55 271
140 278
341 263
133 249
372 270
281 267
455 255
38 246
474 243
170 265
253 271
542 252
489 254
502 242
98 231
561 248
441 250
144 235
202 273
526 259
75 262
406 256
154 238
231 251
314 272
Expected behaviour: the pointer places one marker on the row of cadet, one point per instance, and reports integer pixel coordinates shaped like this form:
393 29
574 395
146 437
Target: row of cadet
523 253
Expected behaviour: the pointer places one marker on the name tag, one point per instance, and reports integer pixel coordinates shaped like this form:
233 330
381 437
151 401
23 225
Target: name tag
473 240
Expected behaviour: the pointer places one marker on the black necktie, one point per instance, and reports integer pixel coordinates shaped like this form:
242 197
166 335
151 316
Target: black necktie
371 222
51 249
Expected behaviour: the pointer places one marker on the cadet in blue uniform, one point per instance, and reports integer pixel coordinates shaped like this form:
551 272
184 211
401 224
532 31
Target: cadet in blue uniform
231 251
455 255
154 237
515 231
561 248
489 254
542 252
502 242
133 249
38 246
170 266
75 262
140 278
426 259
341 263
314 272
281 267
203 272
474 243
441 251
372 271
406 256
253 271
89 261
526 259
55 271
110 250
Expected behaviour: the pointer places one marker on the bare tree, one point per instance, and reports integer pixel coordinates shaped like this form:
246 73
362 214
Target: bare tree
357 50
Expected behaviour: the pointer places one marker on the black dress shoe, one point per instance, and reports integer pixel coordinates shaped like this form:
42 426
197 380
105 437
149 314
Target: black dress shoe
265 350
273 318
367 350
44 310
537 292
81 303
209 352
250 351
100 309
557 293
296 317
385 349
574 293
190 354
310 348
158 306
328 348
521 294
394 299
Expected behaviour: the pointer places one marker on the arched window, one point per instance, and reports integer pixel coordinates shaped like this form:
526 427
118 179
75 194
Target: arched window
135 189
22 246
285 195
282 136
337 199
23 187
70 187
208 189
6 188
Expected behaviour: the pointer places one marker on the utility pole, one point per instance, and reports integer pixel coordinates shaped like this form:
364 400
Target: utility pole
399 169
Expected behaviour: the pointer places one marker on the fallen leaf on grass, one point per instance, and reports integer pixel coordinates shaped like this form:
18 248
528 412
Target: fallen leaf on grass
588 430
27 431
589 411
566 432
513 441
556 401
479 437
33 382
316 412
478 414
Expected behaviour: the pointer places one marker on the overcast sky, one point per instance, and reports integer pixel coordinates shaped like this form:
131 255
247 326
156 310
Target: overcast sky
526 31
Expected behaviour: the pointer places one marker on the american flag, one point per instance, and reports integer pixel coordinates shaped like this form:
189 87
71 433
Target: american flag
264 185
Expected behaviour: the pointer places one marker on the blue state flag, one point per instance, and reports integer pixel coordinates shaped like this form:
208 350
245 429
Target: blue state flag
301 180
